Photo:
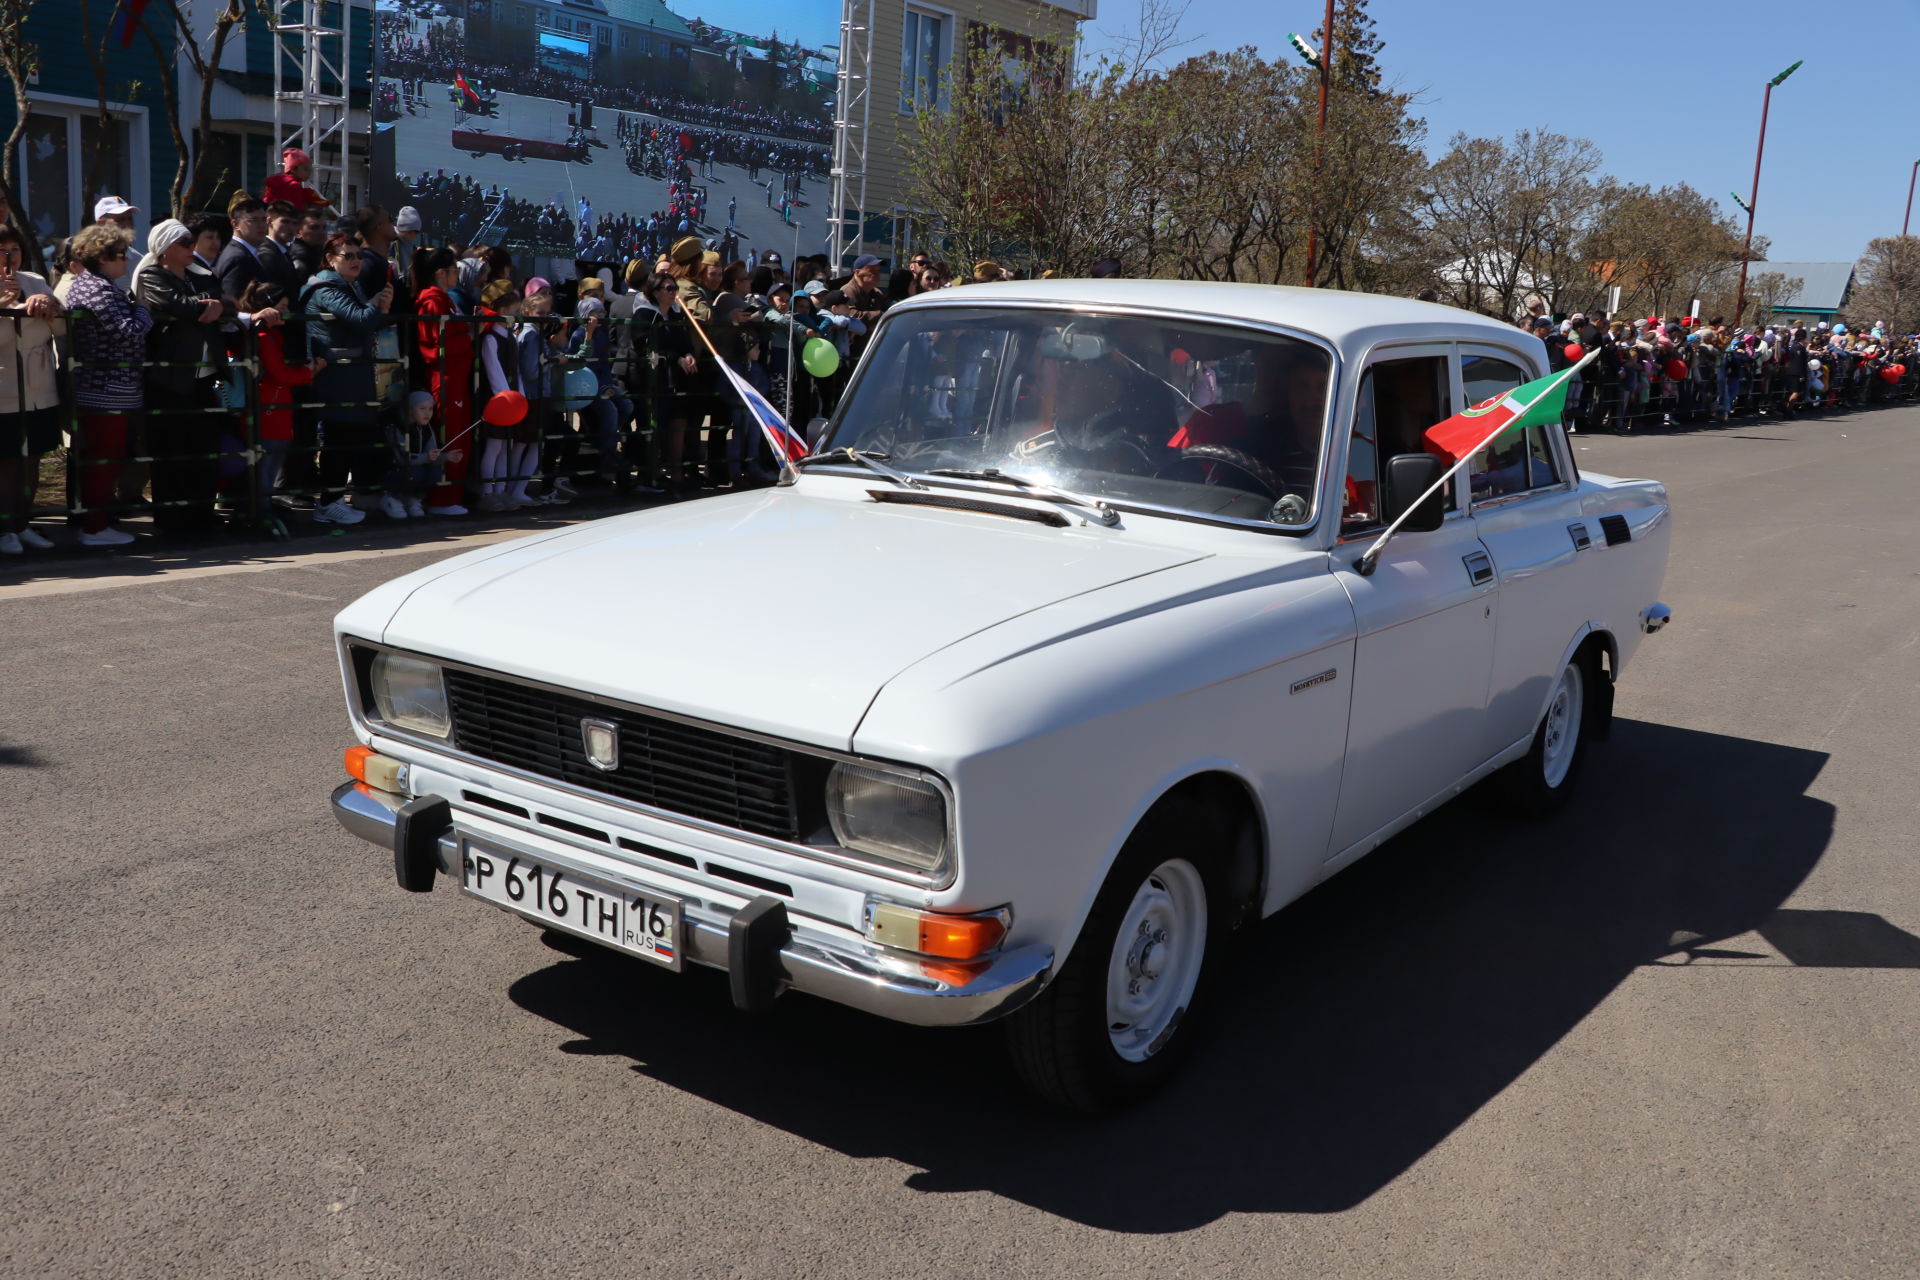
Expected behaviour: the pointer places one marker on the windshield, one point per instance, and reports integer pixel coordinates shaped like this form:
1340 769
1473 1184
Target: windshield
1210 420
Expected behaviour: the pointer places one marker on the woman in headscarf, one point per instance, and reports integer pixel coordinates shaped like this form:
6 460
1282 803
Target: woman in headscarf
184 413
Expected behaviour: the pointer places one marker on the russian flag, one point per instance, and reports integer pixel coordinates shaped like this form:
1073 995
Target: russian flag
788 445
125 19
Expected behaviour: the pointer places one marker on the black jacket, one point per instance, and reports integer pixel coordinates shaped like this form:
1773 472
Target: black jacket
178 334
237 268
276 267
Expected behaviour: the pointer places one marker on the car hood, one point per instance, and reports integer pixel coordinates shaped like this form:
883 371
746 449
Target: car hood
777 611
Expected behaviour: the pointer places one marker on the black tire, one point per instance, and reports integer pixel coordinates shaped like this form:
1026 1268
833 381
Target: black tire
1059 1044
1530 783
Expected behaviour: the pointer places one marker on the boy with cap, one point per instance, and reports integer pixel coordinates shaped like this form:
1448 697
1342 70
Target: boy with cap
290 184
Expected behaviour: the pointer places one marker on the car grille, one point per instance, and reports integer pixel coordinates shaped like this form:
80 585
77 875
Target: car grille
681 768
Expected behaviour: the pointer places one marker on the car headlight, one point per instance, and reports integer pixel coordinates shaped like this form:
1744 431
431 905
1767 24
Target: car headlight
890 814
409 694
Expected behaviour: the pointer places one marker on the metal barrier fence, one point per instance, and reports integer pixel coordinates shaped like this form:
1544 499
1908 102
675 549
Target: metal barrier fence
210 440
1639 402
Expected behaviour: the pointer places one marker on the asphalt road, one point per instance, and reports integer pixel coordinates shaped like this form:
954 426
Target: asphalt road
1671 1034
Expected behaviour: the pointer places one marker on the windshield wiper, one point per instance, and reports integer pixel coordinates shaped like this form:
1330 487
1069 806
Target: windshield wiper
871 459
1105 514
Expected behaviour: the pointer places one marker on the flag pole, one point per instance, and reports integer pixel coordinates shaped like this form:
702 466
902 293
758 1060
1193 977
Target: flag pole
779 449
1364 566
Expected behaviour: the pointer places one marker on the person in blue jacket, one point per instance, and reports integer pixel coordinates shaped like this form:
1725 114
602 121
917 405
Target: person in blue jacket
352 448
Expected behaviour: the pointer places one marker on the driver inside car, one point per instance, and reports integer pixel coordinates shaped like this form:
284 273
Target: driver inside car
1277 427
1108 413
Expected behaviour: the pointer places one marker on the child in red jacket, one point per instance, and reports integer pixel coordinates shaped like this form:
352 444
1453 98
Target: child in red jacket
276 382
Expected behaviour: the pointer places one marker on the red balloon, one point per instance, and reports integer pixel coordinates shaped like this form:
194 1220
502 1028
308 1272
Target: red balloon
1899 371
1179 355
1676 369
1653 320
1890 374
1575 351
505 409
1688 321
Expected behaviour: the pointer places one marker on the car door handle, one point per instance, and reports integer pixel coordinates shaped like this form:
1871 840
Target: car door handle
1479 567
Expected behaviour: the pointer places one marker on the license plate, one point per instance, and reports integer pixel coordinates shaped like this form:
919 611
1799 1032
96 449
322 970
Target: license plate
630 920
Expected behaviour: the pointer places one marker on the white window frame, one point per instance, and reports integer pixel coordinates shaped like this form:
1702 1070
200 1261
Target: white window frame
139 162
603 36
949 29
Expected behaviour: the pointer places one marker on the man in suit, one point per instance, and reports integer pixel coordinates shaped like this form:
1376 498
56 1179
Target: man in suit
239 263
275 254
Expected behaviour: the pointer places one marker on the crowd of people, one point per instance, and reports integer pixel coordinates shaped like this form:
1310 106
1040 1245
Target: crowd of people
274 363
280 362
1649 371
415 63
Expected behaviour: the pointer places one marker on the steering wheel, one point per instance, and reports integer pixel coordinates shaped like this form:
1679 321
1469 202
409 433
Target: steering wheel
1226 455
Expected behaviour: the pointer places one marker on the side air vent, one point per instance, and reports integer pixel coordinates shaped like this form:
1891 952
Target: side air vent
1615 527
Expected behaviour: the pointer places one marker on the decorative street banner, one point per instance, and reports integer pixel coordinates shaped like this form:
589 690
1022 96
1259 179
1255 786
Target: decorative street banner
602 130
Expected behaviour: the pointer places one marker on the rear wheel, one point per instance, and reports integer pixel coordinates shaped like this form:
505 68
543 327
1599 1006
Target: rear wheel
1115 1022
1544 779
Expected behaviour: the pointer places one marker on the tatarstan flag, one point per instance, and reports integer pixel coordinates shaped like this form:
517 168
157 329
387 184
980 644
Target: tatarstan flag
1529 404
460 83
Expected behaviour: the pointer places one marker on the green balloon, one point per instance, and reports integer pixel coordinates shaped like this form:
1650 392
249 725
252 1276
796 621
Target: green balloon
819 358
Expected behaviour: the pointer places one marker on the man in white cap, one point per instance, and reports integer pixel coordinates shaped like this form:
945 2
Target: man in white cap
115 211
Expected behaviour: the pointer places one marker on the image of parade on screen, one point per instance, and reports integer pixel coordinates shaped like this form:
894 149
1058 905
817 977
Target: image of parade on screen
602 130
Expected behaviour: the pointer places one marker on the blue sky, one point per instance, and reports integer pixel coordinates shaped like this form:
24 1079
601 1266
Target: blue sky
1669 93
812 22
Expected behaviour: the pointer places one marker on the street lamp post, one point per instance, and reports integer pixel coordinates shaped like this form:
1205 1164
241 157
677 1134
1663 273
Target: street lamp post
1740 300
1324 62
1909 218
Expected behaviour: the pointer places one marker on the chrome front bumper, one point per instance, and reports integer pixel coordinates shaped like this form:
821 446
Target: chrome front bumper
889 986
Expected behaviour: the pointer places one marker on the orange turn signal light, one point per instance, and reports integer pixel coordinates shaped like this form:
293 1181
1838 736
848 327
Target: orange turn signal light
384 773
935 933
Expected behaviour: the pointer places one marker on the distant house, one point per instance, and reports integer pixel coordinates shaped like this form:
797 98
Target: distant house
1823 290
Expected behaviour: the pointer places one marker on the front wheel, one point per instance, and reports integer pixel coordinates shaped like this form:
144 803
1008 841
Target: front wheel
1114 1024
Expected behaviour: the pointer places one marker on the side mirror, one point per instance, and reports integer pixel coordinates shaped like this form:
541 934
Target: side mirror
1408 476
816 427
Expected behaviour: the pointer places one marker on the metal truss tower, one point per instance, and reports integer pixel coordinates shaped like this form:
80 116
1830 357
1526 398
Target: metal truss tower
846 224
310 88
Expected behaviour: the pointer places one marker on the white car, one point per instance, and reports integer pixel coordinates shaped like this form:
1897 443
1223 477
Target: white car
1052 667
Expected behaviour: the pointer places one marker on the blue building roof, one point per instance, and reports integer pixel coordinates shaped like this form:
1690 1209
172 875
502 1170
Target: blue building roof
1824 285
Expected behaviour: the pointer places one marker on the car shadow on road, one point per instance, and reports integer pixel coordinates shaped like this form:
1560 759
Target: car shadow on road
1356 1030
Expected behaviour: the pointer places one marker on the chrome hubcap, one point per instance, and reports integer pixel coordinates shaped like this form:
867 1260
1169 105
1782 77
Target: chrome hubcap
1156 960
1562 737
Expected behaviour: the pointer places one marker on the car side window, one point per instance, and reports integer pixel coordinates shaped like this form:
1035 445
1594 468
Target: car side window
1399 400
1514 463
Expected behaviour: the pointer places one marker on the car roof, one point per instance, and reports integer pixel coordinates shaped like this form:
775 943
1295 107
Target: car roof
1351 321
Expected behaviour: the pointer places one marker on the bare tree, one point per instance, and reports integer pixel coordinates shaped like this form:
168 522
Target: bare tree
1505 216
1664 248
1769 291
191 176
1141 50
1887 284
21 59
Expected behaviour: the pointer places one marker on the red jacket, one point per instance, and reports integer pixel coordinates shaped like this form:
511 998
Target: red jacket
284 186
277 381
448 347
